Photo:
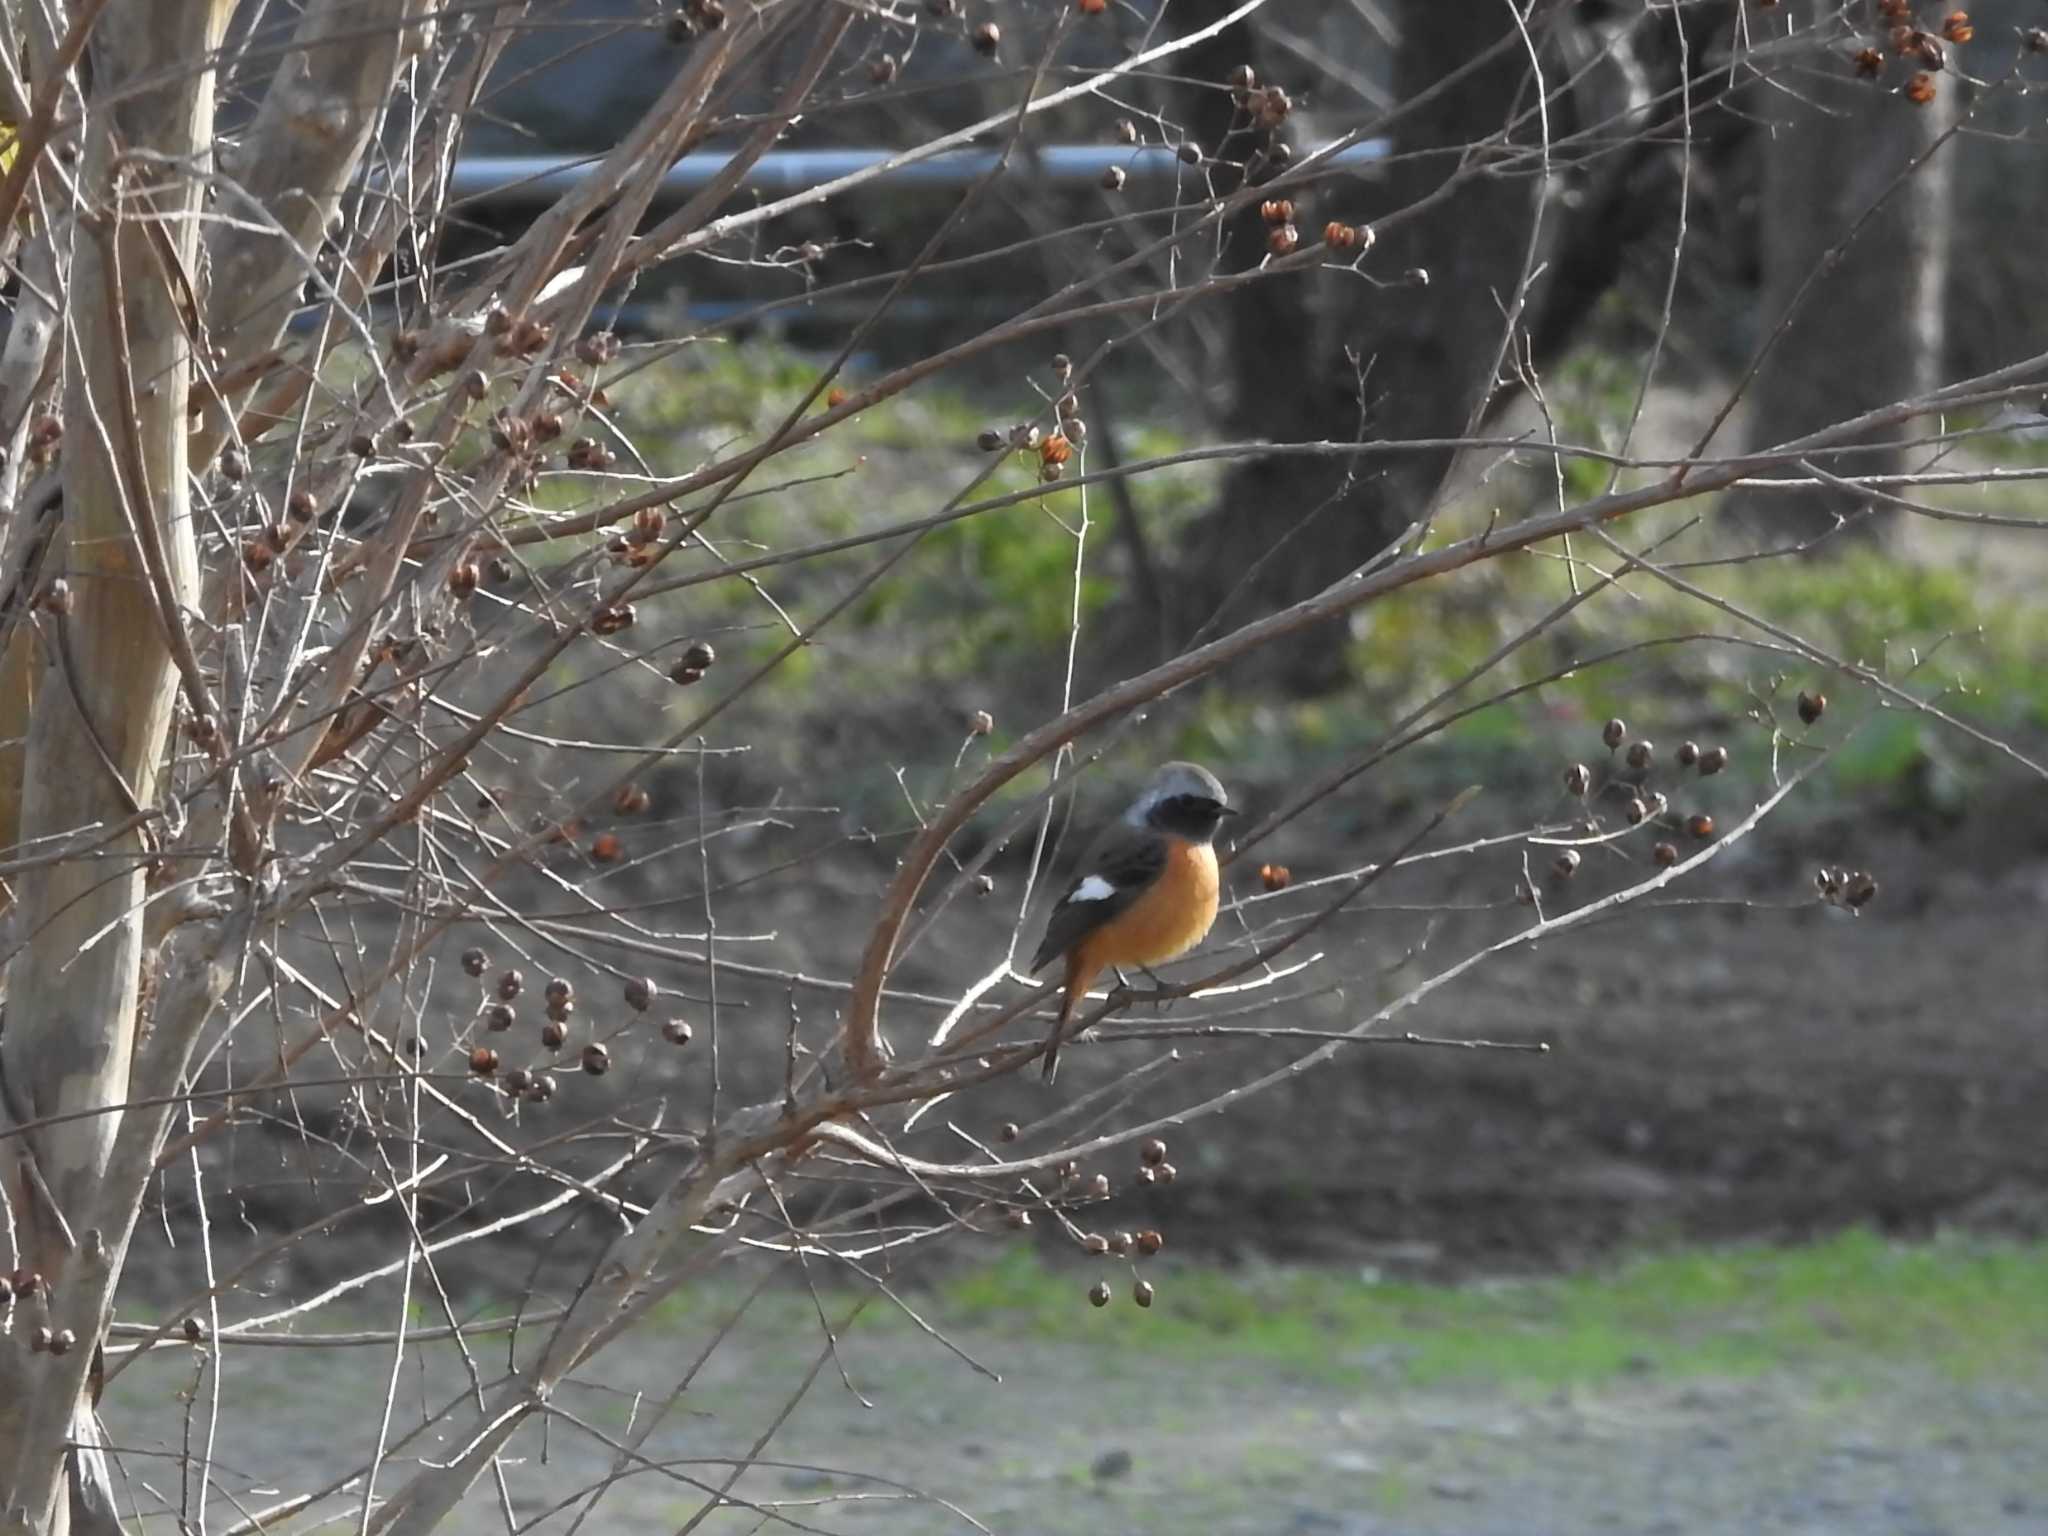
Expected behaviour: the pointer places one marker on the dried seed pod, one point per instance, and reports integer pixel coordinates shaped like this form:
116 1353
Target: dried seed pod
1148 1175
40 1336
1098 1186
676 1031
475 962
1120 1243
1566 864
1099 1294
1920 89
475 385
1277 210
1858 890
683 676
233 466
509 986
1688 753
1113 178
990 440
1664 855
1126 130
597 349
1016 1221
1700 825
517 1082
1868 63
987 38
1636 811
1282 239
1049 472
1150 1242
1275 877
462 578
500 570
883 70
640 993
1152 1151
483 1061
26 1282
554 1034
559 990
1271 107
1712 761
1641 754
1812 706
1243 78
1069 1171
596 1059
63 1341
1612 733
543 1088
195 1330
605 848
1009 1131
612 619
984 885
1578 781
1141 1293
1190 152
699 655
498 1017
2037 39
1054 449
1095 1245
1166 1173
630 800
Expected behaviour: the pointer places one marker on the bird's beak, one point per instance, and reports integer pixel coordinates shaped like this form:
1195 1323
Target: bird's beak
1228 810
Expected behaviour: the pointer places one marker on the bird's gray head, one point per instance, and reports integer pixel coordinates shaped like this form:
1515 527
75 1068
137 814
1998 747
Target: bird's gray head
1182 798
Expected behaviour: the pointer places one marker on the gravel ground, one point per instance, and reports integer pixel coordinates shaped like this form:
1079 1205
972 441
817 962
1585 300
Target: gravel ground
1071 1442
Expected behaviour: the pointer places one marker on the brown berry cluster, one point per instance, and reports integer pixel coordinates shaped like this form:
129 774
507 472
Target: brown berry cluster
1641 804
1919 42
538 1084
1075 1189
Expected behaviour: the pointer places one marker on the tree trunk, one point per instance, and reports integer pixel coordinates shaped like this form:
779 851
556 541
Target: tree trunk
1863 289
1325 355
101 715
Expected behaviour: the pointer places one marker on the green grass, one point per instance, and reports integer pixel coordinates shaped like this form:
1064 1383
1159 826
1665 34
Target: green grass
1967 1307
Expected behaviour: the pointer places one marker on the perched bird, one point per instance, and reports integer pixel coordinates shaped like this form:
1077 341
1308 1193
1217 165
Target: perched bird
1145 891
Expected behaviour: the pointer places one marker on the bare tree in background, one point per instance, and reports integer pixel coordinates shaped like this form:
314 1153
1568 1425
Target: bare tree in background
311 816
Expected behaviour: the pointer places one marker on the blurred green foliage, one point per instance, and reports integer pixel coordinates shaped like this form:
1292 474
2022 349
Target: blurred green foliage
981 615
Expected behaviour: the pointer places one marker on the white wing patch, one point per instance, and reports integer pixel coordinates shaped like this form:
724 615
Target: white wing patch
1094 888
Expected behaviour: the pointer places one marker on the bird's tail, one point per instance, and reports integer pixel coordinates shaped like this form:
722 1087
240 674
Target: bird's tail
1071 995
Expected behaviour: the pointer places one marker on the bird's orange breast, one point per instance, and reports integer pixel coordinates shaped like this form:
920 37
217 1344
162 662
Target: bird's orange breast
1170 919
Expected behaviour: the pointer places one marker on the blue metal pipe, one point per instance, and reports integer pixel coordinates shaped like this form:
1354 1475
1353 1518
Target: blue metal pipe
539 178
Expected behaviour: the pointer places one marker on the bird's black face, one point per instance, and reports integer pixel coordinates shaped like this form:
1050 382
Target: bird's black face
1195 817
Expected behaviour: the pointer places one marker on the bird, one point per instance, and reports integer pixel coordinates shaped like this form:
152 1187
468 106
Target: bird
1145 891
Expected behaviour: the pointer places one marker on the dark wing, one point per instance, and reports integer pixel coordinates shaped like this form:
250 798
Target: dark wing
1125 860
